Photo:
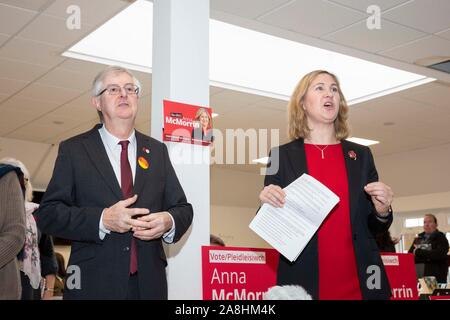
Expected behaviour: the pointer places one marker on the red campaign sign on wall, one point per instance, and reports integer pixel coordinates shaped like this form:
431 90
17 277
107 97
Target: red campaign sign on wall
401 273
187 123
233 273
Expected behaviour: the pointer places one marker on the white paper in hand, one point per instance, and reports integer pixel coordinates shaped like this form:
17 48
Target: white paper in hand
289 229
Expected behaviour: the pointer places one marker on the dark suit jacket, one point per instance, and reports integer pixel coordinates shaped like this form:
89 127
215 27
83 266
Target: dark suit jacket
364 223
83 184
434 259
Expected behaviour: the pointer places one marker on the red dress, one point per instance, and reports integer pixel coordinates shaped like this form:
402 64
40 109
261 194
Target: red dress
338 277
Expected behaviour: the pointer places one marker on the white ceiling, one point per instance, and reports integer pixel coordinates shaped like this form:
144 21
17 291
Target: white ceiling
44 97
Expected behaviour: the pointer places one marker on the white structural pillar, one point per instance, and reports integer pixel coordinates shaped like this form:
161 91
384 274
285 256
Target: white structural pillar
181 73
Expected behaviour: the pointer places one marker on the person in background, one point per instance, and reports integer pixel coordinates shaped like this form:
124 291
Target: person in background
216 241
12 230
385 242
60 275
37 261
430 250
49 267
337 262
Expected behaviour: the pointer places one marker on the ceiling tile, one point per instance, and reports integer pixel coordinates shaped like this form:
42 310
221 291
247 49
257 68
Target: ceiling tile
247 9
44 128
314 18
31 106
251 117
83 127
435 93
48 93
360 37
10 86
20 70
34 5
12 19
58 123
403 145
360 121
32 52
79 108
13 119
3 97
444 34
409 118
59 77
53 30
82 66
3 38
424 15
229 100
436 128
428 47
362 5
32 132
91 12
271 103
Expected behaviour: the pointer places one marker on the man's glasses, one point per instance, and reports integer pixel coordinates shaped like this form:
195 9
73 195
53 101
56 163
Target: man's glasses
114 89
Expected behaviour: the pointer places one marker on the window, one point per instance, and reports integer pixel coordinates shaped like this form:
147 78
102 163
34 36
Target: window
412 223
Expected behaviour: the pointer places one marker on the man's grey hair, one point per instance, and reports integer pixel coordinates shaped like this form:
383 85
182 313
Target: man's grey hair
98 85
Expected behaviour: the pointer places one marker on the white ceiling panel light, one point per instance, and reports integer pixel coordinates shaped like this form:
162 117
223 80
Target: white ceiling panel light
364 142
124 40
243 59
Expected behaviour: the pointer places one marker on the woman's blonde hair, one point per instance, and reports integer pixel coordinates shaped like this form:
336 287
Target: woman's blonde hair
297 122
199 113
26 175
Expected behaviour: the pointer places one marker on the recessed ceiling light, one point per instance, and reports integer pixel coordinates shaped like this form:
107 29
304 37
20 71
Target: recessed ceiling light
364 142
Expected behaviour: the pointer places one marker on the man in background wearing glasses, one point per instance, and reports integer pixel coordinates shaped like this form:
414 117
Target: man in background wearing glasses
115 194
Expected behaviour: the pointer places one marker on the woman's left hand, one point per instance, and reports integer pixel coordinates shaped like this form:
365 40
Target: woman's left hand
382 196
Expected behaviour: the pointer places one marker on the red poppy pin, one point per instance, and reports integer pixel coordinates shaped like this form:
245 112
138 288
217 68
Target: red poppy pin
352 155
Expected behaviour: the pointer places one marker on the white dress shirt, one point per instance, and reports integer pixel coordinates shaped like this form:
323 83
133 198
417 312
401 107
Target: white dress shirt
113 150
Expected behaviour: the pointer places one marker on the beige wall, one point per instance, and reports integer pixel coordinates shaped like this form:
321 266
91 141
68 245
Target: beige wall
231 224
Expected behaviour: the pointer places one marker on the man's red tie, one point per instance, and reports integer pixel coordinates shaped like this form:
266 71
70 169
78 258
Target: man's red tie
126 178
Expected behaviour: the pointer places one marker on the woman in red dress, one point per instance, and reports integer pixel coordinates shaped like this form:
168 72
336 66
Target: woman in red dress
342 260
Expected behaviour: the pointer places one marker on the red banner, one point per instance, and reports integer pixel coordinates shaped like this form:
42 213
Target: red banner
187 123
232 273
401 273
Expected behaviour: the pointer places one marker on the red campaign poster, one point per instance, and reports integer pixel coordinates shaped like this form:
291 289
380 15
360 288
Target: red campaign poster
233 273
187 123
401 273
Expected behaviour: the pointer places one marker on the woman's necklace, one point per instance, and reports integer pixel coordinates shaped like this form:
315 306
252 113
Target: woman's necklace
321 149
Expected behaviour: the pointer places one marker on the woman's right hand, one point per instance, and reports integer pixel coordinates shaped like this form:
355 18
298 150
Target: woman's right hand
273 195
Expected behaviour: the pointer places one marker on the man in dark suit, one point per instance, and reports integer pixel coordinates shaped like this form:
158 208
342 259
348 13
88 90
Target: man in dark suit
115 194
